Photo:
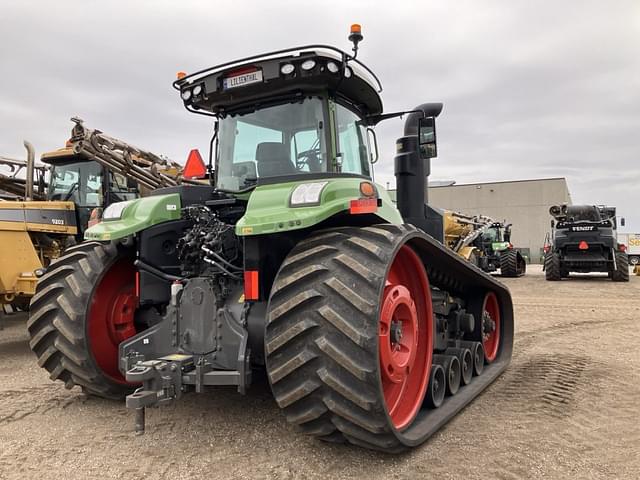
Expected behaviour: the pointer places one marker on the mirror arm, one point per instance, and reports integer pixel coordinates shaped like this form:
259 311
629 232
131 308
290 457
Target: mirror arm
373 120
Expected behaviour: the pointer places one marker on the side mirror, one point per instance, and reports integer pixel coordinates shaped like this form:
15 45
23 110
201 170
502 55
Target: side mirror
622 221
427 138
553 223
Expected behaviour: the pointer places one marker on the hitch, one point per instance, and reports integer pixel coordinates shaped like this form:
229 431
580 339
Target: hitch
161 382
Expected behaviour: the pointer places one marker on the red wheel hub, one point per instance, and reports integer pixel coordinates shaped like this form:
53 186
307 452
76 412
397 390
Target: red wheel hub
111 316
405 342
490 326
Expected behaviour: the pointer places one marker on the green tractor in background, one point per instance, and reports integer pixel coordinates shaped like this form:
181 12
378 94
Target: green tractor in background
497 251
292 261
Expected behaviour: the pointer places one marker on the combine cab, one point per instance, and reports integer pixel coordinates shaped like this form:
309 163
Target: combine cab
293 261
584 240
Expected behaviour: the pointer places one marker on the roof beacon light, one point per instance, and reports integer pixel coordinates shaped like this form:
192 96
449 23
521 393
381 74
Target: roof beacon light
355 37
181 75
195 167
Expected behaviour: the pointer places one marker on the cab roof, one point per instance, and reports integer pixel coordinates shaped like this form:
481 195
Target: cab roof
263 79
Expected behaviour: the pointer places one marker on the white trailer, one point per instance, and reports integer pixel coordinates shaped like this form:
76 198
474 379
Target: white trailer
632 242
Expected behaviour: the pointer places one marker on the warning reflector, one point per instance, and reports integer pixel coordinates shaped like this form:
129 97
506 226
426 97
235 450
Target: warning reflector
195 167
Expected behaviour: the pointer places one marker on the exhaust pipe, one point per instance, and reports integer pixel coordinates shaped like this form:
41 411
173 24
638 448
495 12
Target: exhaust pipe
31 165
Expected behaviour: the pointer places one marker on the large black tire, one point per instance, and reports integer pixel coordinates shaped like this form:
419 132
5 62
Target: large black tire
512 264
58 325
552 268
321 340
621 273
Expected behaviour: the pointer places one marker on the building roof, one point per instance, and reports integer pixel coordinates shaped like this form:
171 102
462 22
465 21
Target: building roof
437 185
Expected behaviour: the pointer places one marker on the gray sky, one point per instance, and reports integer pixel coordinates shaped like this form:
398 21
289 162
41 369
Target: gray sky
531 89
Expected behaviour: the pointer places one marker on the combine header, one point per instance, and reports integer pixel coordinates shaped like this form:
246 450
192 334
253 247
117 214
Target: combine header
292 261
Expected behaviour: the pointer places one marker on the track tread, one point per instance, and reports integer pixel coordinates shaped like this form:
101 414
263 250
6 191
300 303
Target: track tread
511 264
326 380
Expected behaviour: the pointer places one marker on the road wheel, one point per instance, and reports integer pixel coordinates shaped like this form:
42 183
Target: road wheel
552 268
621 273
633 260
512 264
348 342
83 308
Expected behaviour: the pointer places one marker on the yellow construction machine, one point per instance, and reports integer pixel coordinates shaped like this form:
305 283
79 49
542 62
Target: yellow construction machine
91 172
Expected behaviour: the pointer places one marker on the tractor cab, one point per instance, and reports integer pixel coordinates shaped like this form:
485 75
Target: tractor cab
86 183
301 113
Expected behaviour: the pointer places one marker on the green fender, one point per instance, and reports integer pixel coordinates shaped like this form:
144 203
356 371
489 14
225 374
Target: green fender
136 216
270 211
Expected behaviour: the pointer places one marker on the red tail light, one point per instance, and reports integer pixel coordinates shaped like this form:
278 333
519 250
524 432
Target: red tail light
583 245
363 205
195 167
251 291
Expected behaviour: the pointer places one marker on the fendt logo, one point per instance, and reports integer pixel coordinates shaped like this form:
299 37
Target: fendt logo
582 229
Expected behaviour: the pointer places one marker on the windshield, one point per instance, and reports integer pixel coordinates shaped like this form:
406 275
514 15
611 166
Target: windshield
288 139
80 183
583 213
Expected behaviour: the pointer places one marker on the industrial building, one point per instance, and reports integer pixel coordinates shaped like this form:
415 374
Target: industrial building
524 203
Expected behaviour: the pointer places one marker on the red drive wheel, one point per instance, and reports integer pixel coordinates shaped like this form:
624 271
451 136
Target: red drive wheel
111 316
405 343
490 326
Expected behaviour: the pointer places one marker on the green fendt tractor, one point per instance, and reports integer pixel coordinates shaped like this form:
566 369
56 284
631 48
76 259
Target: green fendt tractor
498 252
293 261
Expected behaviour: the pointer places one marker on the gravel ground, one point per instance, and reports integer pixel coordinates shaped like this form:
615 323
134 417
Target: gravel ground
567 407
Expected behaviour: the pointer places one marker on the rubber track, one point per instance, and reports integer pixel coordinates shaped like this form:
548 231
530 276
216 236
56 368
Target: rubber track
320 343
552 266
57 319
509 264
621 274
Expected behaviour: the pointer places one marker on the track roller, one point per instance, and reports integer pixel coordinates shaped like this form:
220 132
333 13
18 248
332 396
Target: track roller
478 355
466 363
437 386
451 366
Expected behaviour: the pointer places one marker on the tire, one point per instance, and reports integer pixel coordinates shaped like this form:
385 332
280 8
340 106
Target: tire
64 328
634 260
512 264
323 344
621 273
552 268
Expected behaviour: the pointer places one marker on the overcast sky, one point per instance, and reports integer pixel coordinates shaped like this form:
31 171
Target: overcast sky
531 89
